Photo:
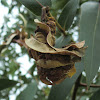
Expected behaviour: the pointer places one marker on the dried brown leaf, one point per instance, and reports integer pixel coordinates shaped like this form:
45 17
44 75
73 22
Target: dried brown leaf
51 39
75 45
51 63
40 37
42 26
38 46
55 75
46 33
45 48
10 38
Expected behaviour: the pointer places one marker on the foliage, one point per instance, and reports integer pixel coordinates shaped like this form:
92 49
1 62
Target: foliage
76 17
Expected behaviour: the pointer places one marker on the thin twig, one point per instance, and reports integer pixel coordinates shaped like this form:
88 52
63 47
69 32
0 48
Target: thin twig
21 43
76 87
39 3
59 26
92 85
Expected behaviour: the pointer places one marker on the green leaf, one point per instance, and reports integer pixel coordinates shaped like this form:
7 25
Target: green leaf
6 83
59 4
63 40
4 2
29 92
96 95
90 32
59 92
68 13
33 6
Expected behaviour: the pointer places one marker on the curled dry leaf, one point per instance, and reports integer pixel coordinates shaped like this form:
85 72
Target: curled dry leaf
7 42
17 36
38 46
54 76
42 26
53 64
40 37
20 37
46 33
46 48
10 38
56 60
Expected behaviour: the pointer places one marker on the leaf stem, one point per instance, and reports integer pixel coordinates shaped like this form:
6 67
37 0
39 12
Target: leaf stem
39 3
59 26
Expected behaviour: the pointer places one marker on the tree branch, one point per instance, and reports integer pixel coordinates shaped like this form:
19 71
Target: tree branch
92 85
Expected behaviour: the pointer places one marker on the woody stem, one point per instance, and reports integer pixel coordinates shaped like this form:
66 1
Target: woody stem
92 85
59 26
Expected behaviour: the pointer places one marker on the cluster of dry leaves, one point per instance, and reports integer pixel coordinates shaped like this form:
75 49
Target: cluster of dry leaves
53 64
